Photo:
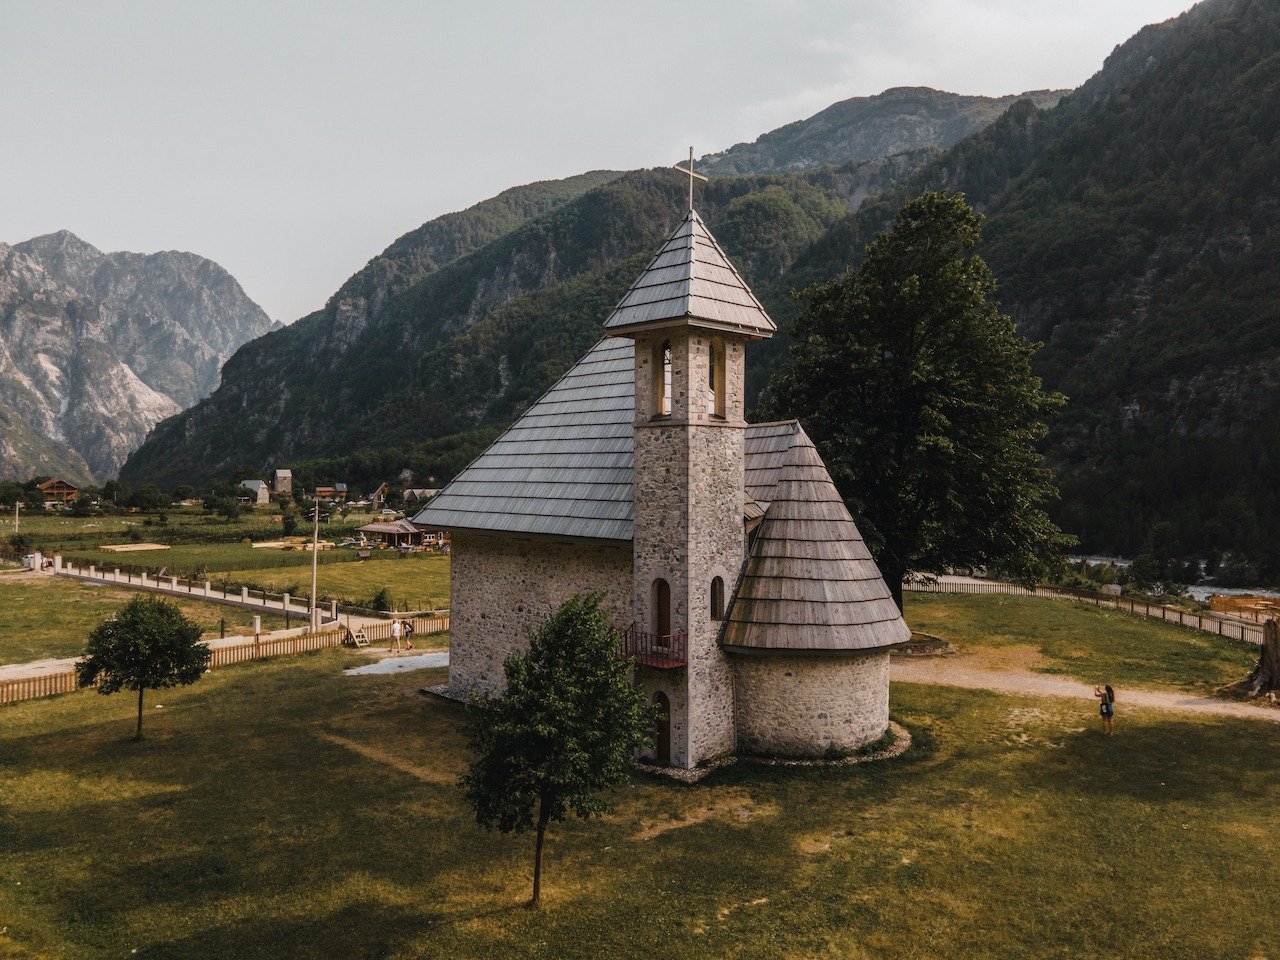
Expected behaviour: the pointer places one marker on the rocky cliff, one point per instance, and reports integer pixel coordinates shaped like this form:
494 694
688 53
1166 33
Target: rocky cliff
95 348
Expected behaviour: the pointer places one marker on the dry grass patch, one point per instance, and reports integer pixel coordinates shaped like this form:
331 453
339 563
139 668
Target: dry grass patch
734 806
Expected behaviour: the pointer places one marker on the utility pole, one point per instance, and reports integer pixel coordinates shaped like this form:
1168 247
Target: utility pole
315 560
17 504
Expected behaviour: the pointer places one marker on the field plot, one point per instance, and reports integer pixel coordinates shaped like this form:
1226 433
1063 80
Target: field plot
416 581
284 810
51 616
1082 641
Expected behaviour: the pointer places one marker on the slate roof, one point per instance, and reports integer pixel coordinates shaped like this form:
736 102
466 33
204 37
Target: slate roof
691 278
810 583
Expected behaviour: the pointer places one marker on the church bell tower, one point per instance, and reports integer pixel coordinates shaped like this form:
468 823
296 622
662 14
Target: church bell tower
690 316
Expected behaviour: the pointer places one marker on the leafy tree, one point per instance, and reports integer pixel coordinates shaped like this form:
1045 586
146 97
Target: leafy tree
563 732
381 600
147 645
148 499
184 491
920 394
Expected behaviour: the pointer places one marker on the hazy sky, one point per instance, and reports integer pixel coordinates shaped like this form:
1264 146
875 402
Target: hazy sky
292 141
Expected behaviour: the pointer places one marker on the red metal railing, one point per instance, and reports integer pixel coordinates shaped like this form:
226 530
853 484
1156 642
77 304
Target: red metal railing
663 651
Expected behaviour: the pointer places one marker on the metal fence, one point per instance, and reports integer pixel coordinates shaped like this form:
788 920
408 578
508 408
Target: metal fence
1209 622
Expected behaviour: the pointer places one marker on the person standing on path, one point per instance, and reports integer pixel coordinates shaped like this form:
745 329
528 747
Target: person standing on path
395 636
1106 707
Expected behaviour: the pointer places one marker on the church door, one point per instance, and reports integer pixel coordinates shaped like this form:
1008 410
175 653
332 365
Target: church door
662 733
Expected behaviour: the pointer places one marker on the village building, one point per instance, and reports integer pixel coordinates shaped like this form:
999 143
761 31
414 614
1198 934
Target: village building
283 483
755 615
379 496
340 492
414 495
326 493
58 493
394 533
404 533
259 492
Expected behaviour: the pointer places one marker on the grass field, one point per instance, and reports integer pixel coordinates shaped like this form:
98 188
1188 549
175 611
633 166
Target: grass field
1078 640
283 810
416 581
52 617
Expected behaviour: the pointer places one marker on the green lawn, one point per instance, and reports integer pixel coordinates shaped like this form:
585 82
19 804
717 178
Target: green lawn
52 617
281 810
417 581
1079 640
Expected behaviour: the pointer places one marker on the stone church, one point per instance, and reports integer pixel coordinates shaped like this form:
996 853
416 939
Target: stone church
753 610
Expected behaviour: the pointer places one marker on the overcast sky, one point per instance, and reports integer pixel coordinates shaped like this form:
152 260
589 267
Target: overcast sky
292 141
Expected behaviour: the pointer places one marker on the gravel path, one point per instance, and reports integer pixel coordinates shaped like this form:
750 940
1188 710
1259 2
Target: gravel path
956 672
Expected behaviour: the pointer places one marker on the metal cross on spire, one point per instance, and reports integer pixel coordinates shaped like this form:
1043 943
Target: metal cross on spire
692 176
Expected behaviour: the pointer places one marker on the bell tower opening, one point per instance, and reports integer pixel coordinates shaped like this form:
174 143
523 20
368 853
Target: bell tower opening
662 379
715 378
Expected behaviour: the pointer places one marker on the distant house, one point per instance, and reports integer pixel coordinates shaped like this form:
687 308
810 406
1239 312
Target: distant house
394 533
283 482
326 493
259 492
340 492
58 493
379 496
419 495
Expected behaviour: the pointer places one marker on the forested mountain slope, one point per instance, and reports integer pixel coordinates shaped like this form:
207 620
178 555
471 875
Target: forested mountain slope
441 352
1135 229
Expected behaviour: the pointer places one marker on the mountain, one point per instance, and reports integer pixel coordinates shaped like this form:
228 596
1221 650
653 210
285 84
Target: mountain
95 348
422 358
1135 229
899 120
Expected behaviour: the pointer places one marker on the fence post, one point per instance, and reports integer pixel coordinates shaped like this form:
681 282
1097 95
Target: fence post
333 609
173 584
257 626
244 594
285 604
208 588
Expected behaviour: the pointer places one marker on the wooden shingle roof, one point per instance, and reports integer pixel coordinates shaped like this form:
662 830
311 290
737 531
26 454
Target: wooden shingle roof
691 280
564 469
810 584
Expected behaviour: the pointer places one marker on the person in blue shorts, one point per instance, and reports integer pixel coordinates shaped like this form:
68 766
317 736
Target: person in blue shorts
1106 707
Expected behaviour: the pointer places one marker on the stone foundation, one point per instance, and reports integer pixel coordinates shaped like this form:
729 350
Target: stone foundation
503 588
809 706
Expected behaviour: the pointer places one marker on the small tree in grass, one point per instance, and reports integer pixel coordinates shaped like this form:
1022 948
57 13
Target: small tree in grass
564 731
148 645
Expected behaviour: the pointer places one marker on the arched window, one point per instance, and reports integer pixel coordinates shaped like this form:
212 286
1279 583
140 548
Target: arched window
715 378
662 379
717 598
661 608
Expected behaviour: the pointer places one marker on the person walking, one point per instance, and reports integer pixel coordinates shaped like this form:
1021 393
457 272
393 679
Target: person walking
408 634
395 637
1106 707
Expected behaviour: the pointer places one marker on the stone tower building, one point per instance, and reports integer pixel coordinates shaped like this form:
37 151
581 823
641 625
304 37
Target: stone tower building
690 316
751 608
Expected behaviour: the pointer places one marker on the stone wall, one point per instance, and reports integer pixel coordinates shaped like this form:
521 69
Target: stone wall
805 706
504 587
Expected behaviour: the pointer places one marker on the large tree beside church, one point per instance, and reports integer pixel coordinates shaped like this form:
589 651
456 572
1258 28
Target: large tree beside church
920 395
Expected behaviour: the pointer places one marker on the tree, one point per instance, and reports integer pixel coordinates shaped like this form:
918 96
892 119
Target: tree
920 395
1265 678
563 732
147 645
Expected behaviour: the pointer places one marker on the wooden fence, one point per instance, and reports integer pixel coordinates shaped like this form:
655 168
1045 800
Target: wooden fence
1223 626
332 635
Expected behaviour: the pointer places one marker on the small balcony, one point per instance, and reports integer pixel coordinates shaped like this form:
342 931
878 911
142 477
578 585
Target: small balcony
661 651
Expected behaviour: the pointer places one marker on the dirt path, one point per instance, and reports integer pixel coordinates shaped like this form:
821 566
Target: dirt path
956 672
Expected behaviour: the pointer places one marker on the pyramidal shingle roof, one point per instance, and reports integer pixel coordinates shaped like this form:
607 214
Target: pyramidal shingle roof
691 279
810 583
